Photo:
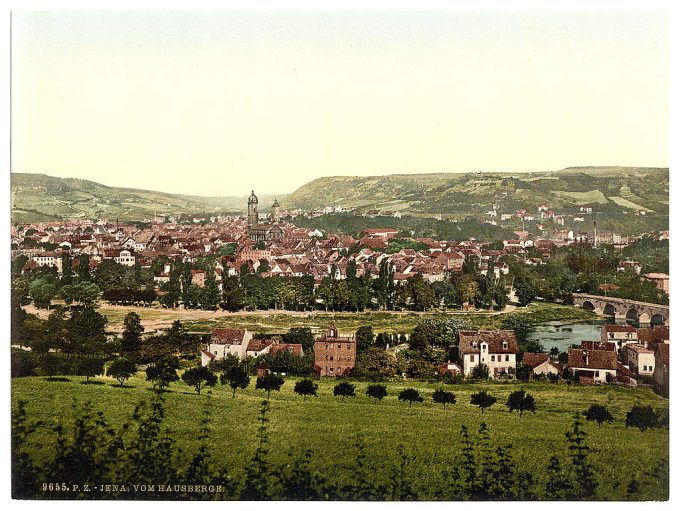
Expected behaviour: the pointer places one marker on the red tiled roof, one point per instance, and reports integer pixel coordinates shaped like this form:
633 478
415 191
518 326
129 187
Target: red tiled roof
494 338
258 344
295 349
227 336
597 345
534 359
653 335
208 354
592 359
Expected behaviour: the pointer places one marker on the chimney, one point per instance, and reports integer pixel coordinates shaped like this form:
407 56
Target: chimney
585 356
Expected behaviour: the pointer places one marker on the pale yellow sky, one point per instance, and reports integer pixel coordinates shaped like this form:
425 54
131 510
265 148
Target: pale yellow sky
220 103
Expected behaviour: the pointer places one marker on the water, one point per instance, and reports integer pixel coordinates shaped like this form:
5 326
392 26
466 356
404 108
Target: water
562 335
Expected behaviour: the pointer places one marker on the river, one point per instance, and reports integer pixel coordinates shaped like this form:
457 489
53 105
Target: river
562 334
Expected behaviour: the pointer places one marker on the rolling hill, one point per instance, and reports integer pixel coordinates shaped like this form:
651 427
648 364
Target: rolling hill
460 194
38 197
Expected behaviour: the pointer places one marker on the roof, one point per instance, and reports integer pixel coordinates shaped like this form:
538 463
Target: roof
208 354
227 336
295 349
258 344
592 359
619 328
534 359
494 338
638 348
598 345
653 335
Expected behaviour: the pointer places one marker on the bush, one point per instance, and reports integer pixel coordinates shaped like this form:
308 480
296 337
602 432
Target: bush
642 417
411 395
599 414
24 363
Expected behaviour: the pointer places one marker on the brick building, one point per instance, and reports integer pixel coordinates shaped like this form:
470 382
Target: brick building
334 354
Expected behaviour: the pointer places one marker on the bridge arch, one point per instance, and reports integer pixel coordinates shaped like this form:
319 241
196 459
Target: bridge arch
588 305
657 319
632 315
609 310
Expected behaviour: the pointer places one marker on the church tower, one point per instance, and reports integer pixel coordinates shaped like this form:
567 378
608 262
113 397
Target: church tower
253 218
276 215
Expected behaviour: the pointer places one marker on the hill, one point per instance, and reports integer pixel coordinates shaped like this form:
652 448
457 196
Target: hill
38 197
612 190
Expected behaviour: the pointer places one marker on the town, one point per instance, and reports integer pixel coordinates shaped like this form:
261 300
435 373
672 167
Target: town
263 262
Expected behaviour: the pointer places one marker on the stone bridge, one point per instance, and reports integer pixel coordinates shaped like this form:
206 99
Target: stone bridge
624 309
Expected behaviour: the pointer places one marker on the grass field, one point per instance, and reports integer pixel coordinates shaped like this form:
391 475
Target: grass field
156 318
330 427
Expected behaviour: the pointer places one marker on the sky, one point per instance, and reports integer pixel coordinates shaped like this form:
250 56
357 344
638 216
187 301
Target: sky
219 103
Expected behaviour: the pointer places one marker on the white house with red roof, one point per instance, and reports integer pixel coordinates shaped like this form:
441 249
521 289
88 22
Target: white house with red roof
497 349
226 341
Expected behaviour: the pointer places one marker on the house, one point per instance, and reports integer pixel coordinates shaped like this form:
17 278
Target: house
497 349
639 359
630 265
619 335
450 368
661 280
540 363
198 278
226 341
258 347
592 365
661 368
334 354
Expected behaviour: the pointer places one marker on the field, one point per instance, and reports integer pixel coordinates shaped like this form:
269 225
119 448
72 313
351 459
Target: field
331 427
156 318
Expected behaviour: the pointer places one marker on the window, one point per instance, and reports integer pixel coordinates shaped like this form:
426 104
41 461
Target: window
597 374
472 358
611 335
331 357
493 358
349 346
507 358
505 345
483 347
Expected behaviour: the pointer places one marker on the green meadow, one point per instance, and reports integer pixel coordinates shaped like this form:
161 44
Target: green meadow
332 427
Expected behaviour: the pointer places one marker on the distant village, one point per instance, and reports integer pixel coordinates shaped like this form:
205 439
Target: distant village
288 250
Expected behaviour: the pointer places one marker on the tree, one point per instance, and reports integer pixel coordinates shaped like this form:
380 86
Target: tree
364 338
305 387
302 336
90 367
642 417
50 364
199 377
236 377
521 401
599 414
269 382
411 395
376 392
42 291
444 397
163 372
480 372
121 369
375 363
344 389
132 334
86 333
482 399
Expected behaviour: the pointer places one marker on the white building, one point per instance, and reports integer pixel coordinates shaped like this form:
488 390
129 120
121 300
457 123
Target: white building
497 349
226 341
